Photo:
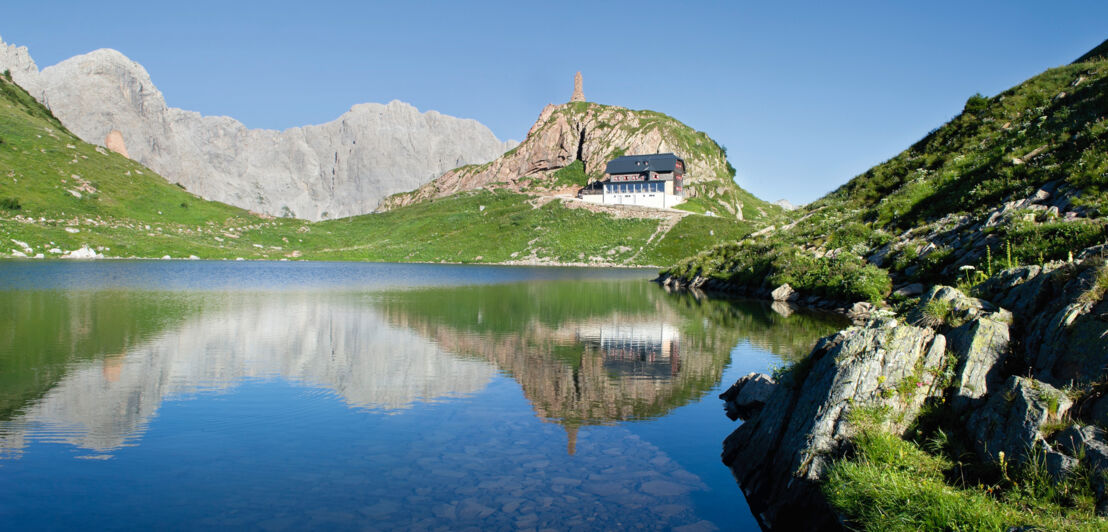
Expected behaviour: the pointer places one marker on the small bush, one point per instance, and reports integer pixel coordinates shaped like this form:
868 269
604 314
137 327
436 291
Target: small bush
571 175
976 104
7 74
11 204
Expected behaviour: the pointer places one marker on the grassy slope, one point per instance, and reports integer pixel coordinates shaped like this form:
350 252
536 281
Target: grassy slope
125 210
1051 129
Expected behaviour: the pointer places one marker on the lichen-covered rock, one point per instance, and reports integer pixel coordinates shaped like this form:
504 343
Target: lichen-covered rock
980 346
909 290
1089 442
883 370
1012 418
1059 465
1063 318
962 307
748 395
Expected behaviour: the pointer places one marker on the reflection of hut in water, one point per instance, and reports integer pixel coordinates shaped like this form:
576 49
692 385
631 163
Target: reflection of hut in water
645 350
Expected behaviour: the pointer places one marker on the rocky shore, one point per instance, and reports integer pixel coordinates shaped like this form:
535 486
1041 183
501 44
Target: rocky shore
1021 368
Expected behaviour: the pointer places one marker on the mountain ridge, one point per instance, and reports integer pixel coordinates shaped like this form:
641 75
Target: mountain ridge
339 168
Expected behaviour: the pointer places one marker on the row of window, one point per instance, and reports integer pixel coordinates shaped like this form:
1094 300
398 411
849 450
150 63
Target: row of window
616 188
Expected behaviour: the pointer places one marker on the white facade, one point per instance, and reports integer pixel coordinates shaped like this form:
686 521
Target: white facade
654 194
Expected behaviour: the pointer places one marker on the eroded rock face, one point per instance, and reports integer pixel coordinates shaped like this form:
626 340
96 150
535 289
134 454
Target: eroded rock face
17 61
114 142
341 168
1011 420
780 455
1064 323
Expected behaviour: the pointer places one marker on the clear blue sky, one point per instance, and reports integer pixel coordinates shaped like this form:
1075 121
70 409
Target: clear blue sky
805 95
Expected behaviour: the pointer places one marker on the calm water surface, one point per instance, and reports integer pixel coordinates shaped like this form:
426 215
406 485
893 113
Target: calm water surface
286 396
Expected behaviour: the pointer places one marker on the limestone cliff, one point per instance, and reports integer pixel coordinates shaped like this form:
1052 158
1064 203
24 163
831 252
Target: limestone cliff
594 134
341 168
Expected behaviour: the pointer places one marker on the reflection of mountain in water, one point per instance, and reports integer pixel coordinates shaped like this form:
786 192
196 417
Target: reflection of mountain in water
92 369
326 342
584 353
588 353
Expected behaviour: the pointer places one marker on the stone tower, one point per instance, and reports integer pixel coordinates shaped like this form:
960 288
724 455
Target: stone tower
578 92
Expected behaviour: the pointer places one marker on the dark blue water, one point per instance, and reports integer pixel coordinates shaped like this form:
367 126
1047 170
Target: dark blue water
290 396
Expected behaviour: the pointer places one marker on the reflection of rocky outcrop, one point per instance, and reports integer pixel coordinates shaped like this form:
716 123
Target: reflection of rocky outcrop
323 342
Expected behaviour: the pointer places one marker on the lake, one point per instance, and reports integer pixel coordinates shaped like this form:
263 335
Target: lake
349 396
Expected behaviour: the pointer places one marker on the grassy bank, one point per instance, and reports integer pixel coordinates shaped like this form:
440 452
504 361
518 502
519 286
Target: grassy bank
892 484
58 194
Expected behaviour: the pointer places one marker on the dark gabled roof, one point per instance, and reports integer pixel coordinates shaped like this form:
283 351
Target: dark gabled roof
633 164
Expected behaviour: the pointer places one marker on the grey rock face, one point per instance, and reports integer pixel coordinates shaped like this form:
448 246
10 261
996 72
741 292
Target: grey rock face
1088 441
341 168
1011 420
779 455
909 290
18 62
748 395
980 347
1063 322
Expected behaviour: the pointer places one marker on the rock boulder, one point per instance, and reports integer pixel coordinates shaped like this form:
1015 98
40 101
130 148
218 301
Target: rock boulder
784 293
1011 420
779 455
748 395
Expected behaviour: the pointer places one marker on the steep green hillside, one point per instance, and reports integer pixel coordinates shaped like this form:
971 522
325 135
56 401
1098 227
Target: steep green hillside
1018 178
58 194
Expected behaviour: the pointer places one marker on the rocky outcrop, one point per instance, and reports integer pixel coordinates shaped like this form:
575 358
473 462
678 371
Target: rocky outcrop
594 134
747 396
981 347
341 168
860 375
1012 419
997 371
1063 317
17 61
